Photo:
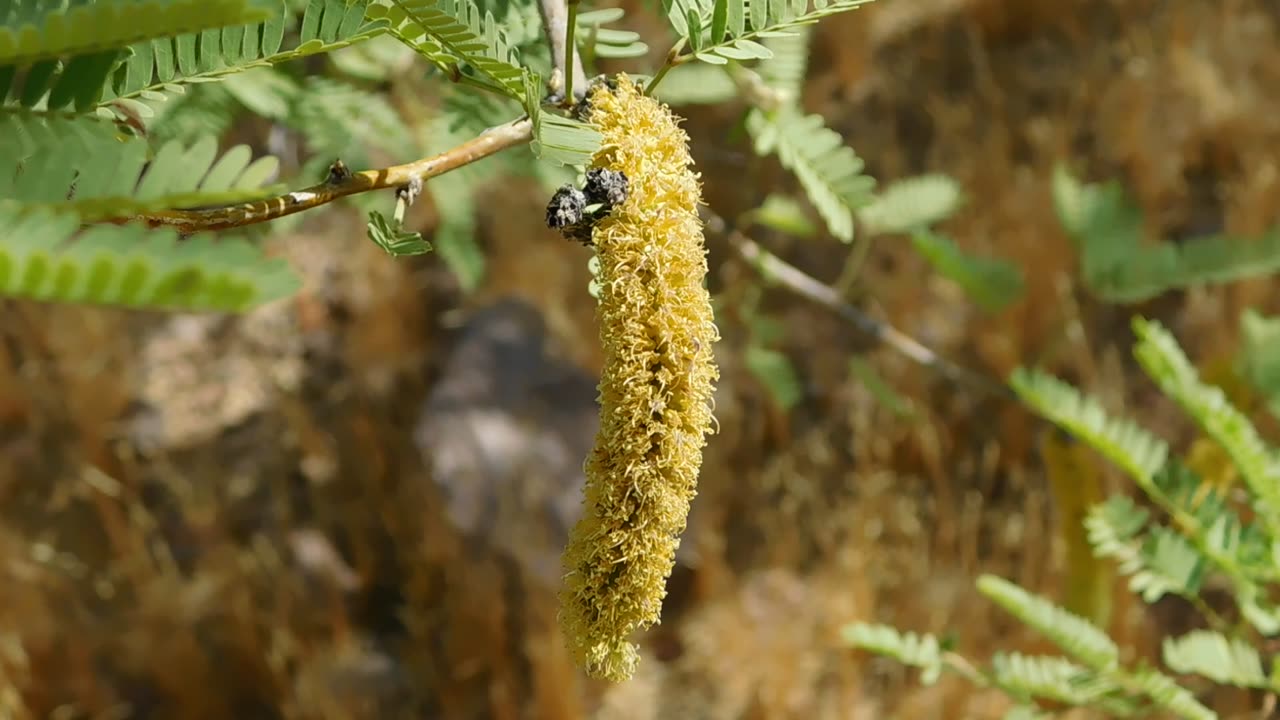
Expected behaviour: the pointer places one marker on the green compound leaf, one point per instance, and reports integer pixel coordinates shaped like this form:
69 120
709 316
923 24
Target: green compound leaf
84 164
1229 661
1137 451
991 282
157 69
720 31
66 53
455 33
393 239
44 257
1107 227
920 651
1075 635
912 204
828 170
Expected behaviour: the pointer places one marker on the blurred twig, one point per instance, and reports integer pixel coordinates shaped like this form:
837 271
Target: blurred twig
774 268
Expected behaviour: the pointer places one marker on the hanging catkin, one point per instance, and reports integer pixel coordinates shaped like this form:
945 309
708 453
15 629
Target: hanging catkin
657 329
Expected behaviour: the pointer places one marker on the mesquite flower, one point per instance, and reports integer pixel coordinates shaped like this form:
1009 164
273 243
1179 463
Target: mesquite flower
657 329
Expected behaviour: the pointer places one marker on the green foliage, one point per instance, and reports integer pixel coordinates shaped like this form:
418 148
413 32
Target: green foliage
85 164
785 70
879 389
783 214
44 256
1075 635
1108 229
339 119
1229 661
158 68
696 84
1135 450
1028 678
775 371
1196 534
718 31
1158 561
828 170
919 651
557 138
393 239
65 53
991 282
455 37
1258 361
598 41
1164 361
194 112
911 204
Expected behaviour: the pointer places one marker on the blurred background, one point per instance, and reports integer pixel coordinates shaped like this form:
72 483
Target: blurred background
352 504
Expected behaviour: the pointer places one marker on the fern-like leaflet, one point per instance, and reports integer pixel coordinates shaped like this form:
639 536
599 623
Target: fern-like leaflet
1165 362
1028 678
992 282
1136 451
920 651
454 35
107 174
1217 657
1075 635
828 170
1107 227
718 31
65 53
911 204
43 258
158 68
1158 562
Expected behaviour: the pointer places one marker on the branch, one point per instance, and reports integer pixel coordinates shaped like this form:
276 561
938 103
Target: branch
794 279
340 183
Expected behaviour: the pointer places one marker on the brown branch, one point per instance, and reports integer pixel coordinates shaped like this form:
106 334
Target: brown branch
340 183
796 280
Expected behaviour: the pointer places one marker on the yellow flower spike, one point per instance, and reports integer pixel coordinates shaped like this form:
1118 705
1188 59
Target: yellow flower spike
657 329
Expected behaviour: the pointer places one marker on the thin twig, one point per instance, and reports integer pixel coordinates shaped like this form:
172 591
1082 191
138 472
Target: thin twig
340 183
795 280
555 23
673 59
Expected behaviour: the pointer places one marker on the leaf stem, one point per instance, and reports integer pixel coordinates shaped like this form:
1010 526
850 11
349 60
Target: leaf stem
558 25
673 59
571 26
340 184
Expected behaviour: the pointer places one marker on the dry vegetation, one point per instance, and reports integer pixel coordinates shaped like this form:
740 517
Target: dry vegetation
352 504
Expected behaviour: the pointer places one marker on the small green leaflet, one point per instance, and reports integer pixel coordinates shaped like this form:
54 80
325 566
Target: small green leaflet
912 203
785 215
775 371
393 239
561 140
991 282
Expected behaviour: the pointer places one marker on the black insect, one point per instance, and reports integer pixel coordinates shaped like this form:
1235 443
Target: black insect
607 187
338 174
566 208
